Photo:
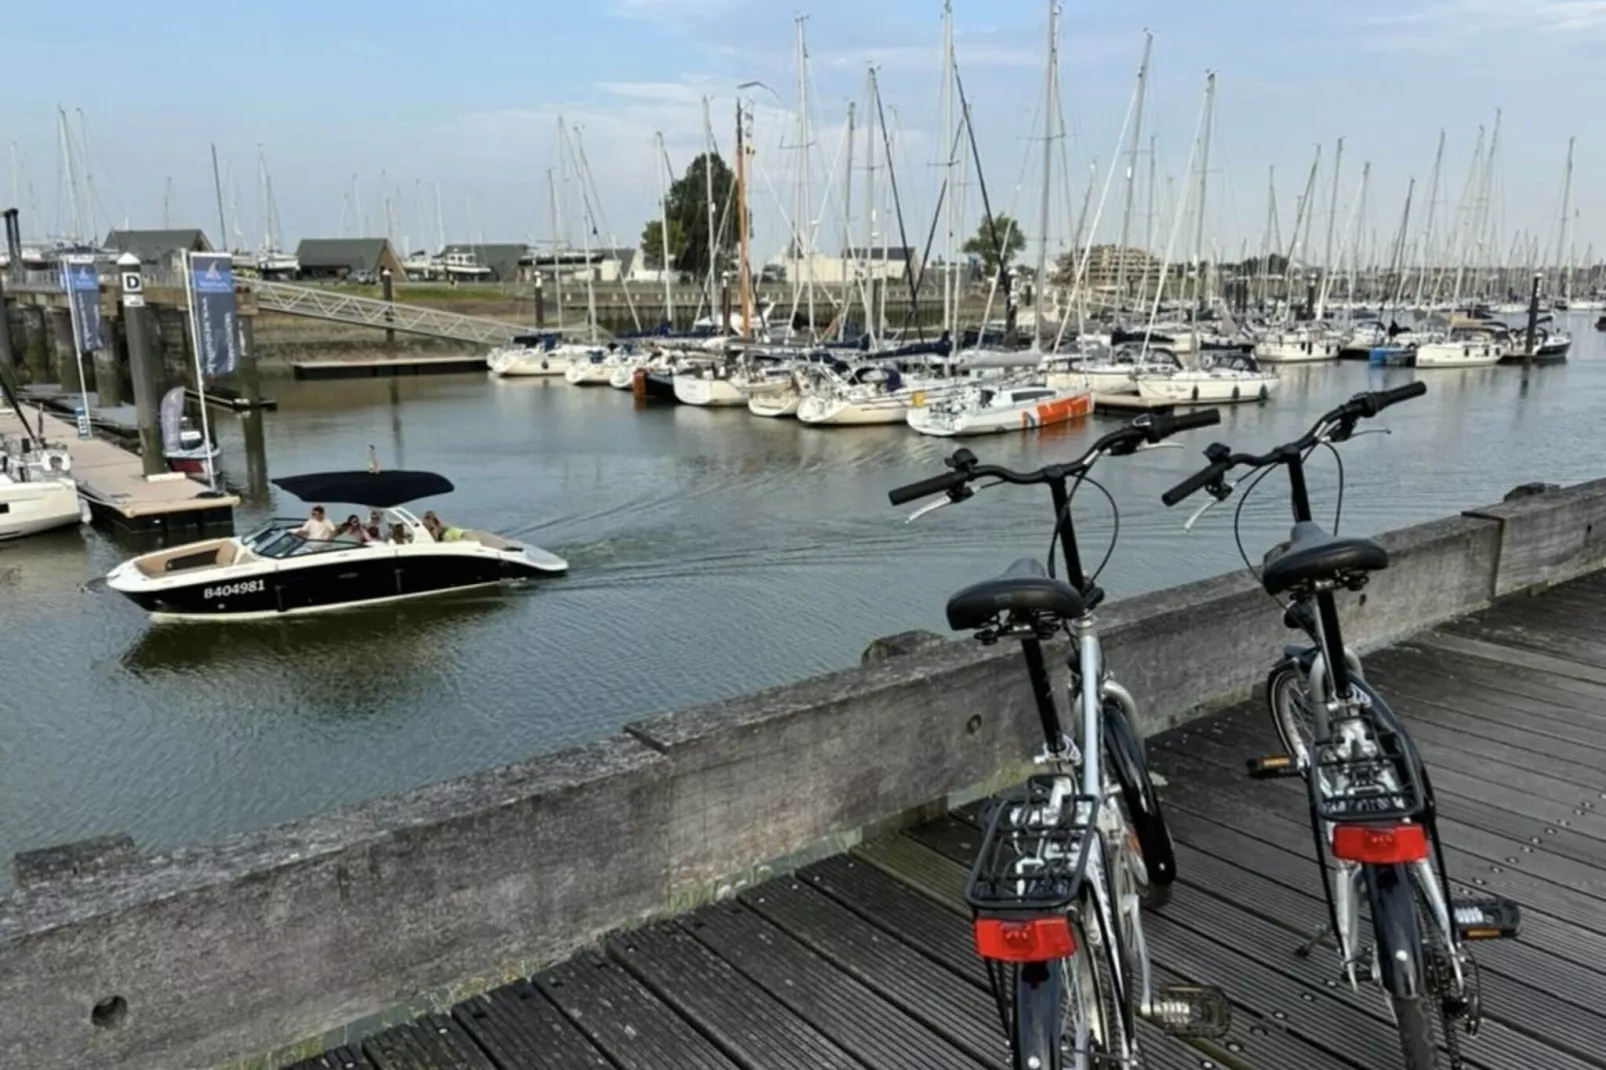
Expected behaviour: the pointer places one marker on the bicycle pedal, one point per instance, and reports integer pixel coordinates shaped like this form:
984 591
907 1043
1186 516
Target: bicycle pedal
1273 766
1486 918
1191 1011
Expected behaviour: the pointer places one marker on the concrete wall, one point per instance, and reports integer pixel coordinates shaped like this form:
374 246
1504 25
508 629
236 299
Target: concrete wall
211 955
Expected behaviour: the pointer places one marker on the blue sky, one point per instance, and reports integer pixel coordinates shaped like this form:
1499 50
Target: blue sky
468 95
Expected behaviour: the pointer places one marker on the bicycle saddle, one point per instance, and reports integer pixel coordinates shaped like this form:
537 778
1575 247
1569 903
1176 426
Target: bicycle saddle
1313 554
1025 587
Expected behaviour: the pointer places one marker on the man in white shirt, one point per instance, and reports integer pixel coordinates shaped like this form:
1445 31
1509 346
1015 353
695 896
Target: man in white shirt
317 526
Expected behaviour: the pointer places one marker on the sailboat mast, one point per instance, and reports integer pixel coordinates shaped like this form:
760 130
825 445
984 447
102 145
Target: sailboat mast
1266 240
847 228
1332 217
167 203
1050 84
1397 261
711 209
72 181
665 177
805 223
741 218
1202 293
871 327
950 145
1132 170
1149 221
1433 210
217 188
1566 208
557 264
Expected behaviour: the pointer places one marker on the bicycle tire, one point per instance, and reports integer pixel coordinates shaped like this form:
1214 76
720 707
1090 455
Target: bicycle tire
1289 704
1141 811
1414 1019
1045 1037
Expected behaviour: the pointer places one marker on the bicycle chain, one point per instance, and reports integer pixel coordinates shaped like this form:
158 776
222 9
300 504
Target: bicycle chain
1441 980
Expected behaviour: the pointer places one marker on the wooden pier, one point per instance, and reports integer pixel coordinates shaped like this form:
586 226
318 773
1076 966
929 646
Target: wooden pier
380 367
864 960
113 482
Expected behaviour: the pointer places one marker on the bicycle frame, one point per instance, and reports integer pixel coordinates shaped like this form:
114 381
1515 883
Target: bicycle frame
1336 685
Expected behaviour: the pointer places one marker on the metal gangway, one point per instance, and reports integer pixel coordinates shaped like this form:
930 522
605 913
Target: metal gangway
319 303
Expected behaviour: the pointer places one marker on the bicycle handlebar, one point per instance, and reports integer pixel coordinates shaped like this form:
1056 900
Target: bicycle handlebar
1223 460
1148 428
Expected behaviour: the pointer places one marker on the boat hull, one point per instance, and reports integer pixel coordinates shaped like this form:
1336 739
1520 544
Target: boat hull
1455 355
1202 391
826 411
362 576
589 374
35 507
658 386
775 403
1296 352
1021 418
531 366
707 391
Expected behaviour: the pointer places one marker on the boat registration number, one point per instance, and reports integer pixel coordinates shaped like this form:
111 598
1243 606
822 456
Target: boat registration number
228 590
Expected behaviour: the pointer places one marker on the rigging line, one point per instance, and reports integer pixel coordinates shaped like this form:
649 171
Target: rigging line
999 277
897 203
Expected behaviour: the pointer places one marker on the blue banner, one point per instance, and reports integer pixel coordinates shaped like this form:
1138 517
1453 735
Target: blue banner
82 284
212 305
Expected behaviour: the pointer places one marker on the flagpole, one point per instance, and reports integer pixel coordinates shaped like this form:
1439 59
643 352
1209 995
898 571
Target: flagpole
77 340
200 372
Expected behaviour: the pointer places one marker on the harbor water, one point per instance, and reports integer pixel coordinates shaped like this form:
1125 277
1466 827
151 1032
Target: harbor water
712 553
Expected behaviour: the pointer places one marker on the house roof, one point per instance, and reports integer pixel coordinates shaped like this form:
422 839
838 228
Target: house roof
151 245
358 254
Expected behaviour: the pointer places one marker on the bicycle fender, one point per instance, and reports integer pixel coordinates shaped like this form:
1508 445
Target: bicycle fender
1399 945
1124 751
1039 1015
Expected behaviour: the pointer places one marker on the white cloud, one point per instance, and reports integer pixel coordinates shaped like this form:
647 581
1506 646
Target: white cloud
1438 24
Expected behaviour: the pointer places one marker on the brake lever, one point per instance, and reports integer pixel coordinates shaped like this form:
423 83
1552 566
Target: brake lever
1372 431
1214 500
929 507
1159 446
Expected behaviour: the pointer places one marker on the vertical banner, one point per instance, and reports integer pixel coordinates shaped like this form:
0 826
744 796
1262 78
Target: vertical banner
172 419
217 336
82 284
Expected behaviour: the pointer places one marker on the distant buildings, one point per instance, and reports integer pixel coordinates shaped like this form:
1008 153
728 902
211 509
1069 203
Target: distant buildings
159 250
851 265
347 258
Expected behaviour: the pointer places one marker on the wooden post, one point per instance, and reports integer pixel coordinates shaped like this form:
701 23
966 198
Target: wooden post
1533 318
145 370
69 374
8 359
387 285
35 349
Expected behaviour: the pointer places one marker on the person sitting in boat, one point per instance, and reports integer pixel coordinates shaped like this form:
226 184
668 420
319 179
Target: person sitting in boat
893 381
317 526
353 531
399 534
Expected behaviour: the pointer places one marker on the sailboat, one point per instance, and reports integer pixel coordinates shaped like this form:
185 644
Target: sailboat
994 409
271 260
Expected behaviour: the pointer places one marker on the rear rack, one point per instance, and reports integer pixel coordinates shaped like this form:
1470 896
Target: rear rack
1384 787
1032 859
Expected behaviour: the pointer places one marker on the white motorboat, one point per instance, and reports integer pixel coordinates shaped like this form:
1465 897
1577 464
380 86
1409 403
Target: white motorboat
532 355
37 491
1220 378
1297 345
623 376
277 572
709 384
1458 353
1100 371
193 455
989 410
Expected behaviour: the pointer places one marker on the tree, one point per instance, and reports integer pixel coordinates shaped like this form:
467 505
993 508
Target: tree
1000 231
687 210
652 246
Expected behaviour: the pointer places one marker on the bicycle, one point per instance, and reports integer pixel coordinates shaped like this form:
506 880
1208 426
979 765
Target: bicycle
1372 811
1058 885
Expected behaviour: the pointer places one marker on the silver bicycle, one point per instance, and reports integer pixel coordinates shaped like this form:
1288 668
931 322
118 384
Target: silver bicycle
1067 865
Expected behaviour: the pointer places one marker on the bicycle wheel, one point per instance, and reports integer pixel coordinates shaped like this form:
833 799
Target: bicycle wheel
1404 950
1093 1021
1291 715
1065 1015
1414 1017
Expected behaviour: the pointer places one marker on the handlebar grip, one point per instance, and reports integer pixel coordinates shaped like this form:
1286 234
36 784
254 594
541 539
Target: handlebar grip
1198 418
926 487
1159 426
1196 482
1385 398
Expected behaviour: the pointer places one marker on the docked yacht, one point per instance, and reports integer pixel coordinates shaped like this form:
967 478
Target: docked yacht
532 354
708 383
1464 347
37 491
596 366
277 572
993 410
1219 378
1296 345
867 394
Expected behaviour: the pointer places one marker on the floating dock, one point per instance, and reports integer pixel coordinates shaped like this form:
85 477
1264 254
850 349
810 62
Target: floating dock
381 367
112 481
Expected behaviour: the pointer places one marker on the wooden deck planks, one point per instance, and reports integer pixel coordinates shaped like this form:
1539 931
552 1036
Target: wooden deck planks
863 961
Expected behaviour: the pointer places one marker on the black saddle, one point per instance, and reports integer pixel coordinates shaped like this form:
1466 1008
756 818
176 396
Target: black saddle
1312 554
1025 587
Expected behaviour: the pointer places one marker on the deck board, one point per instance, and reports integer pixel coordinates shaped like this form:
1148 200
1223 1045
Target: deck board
864 960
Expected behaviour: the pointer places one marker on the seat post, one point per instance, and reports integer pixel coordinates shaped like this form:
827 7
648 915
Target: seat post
1043 693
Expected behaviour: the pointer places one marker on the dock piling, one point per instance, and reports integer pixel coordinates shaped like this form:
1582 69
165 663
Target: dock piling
145 370
8 358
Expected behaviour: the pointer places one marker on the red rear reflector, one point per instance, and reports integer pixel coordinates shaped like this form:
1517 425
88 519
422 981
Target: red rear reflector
1025 940
1380 844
